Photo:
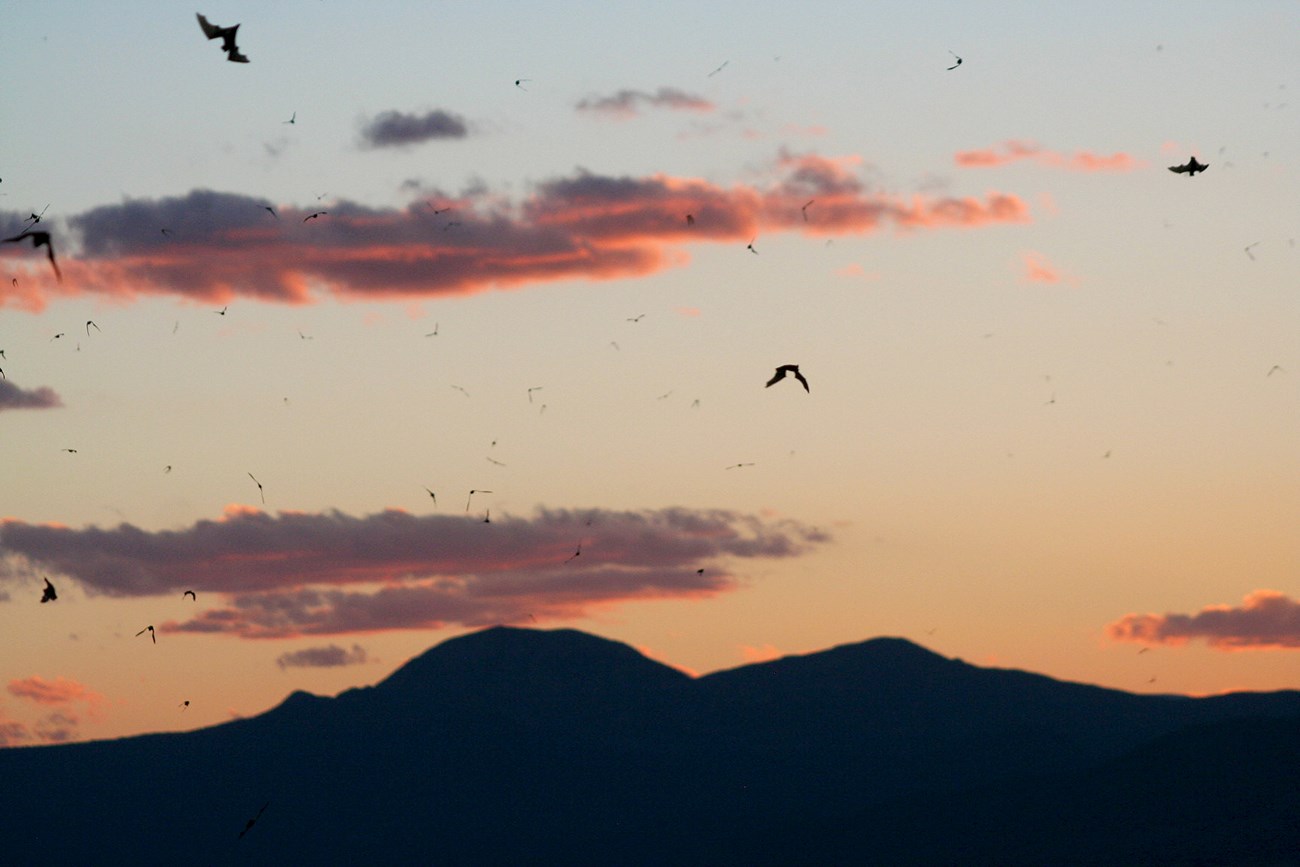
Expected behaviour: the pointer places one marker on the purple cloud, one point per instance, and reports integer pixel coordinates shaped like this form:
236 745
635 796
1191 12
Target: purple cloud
322 657
13 397
397 129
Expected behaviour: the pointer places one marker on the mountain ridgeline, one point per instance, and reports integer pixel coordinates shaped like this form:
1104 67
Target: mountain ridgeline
512 746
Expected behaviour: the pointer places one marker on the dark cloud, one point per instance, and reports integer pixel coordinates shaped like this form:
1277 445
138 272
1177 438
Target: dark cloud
13 397
322 657
397 129
1265 619
598 227
626 103
283 575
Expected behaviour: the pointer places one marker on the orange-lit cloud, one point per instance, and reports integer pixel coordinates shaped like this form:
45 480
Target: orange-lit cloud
221 246
282 575
58 691
1039 270
1266 619
13 397
57 725
1079 161
627 103
762 653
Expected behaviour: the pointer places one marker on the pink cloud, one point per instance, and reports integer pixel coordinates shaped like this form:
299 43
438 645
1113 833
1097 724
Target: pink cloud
1080 161
61 690
330 573
224 246
761 653
1039 270
1266 619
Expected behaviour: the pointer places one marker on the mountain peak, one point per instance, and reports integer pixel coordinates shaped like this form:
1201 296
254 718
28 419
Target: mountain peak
508 658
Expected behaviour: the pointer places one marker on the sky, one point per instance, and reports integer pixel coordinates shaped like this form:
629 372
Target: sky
552 254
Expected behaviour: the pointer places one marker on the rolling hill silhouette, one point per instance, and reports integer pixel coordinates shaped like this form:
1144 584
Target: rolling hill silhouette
512 746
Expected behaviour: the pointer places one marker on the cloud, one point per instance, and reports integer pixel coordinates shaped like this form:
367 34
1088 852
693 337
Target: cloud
322 657
1039 270
762 653
59 724
13 397
1265 619
1080 161
330 573
625 103
57 691
397 129
583 226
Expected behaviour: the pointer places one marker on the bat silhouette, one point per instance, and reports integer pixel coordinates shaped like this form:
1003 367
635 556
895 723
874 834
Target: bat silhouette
782 371
39 239
190 593
1190 168
955 65
253 821
49 595
152 634
227 37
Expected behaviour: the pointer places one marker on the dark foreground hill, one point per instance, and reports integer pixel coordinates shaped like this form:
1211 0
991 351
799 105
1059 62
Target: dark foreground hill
514 746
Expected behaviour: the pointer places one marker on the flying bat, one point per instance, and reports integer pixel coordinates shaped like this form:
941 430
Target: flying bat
1190 168
90 322
519 83
955 65
253 821
259 487
314 216
190 593
472 492
292 119
148 629
271 210
804 209
750 247
49 595
782 371
227 37
433 495
39 239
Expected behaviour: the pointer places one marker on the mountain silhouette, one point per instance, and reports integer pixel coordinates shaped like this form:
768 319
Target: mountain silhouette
511 746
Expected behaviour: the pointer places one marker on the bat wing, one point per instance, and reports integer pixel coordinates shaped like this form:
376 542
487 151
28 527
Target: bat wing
1178 170
210 30
802 381
776 377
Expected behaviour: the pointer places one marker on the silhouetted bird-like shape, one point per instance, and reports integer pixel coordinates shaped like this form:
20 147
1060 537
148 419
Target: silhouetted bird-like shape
314 216
253 821
292 119
39 239
271 210
259 488
472 492
782 371
227 37
90 322
191 594
750 247
433 495
148 629
49 595
1190 168
955 65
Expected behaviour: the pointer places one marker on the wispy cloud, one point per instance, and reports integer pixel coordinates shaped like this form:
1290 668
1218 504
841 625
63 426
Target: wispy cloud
284 575
627 103
1079 161
60 722
398 129
1265 619
332 656
61 690
598 227
1038 270
13 397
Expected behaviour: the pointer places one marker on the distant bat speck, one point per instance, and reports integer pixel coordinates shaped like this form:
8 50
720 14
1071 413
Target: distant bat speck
48 595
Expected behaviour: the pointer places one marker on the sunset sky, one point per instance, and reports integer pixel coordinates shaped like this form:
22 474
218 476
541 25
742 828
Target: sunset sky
1054 418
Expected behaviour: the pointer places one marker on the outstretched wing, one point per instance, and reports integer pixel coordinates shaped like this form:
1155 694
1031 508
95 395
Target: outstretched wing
802 381
776 377
210 30
1178 170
